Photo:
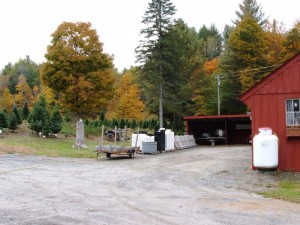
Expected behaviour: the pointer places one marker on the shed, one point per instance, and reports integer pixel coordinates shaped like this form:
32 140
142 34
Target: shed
274 102
235 129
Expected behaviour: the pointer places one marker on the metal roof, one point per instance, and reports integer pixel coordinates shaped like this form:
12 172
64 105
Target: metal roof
219 117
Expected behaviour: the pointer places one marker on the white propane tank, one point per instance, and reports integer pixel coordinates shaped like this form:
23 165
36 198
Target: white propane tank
265 149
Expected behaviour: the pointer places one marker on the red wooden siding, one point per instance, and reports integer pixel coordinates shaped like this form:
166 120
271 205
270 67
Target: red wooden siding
267 102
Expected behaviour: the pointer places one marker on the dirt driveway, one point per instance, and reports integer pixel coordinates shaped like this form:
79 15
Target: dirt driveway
205 185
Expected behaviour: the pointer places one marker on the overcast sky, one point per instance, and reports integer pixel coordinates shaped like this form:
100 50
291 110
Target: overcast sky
26 25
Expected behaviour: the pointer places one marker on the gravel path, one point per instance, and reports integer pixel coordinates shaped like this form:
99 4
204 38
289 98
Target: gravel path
205 185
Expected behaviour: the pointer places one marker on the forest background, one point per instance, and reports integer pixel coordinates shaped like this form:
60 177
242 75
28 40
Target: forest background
179 68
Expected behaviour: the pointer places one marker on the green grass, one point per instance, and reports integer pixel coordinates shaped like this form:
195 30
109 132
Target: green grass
62 147
22 141
54 147
287 190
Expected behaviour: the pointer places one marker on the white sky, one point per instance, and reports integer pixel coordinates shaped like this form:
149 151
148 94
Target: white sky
26 25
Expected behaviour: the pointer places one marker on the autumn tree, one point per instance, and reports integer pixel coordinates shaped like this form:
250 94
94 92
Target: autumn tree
127 103
7 100
275 37
151 50
77 69
292 42
23 91
205 88
245 50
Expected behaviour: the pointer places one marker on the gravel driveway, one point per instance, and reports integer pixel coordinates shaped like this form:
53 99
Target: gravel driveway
204 185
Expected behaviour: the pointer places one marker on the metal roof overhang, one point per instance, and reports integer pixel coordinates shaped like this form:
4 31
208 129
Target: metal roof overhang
238 117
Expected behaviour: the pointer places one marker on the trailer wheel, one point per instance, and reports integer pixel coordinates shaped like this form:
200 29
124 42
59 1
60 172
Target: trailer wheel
131 154
108 155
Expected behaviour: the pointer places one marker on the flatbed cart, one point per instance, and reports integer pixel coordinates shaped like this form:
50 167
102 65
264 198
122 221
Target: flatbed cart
117 150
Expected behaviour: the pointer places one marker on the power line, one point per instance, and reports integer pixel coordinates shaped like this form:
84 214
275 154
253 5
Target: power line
258 69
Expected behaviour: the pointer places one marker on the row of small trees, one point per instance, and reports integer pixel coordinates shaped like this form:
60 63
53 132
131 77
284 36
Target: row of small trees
151 124
11 121
40 121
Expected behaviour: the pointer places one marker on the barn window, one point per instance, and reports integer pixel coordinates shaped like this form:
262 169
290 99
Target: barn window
292 112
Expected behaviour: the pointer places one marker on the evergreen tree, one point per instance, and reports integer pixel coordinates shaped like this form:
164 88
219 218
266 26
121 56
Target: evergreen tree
25 111
249 8
133 124
122 123
3 120
18 115
56 121
150 52
245 50
46 128
102 115
145 124
13 122
39 120
25 67
212 41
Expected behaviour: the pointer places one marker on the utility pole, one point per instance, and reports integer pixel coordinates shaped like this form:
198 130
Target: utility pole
219 103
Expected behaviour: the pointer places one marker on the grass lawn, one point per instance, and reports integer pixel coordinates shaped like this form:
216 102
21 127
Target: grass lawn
287 191
22 142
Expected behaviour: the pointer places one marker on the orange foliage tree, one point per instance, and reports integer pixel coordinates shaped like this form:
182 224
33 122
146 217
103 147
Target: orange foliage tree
78 70
24 93
127 103
7 100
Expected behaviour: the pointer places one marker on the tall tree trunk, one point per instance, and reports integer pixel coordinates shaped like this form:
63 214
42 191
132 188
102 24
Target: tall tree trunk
161 120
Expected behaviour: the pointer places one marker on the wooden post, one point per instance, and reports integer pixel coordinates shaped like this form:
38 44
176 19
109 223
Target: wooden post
102 134
137 137
123 136
116 135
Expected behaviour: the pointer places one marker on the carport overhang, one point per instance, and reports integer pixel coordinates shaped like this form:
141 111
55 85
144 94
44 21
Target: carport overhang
237 128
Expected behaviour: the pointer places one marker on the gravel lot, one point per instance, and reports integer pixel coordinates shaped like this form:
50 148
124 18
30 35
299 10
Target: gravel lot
204 185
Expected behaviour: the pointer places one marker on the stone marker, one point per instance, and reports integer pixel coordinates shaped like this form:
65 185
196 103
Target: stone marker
79 143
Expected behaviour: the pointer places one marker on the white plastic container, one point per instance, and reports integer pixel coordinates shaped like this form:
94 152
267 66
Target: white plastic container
265 149
169 140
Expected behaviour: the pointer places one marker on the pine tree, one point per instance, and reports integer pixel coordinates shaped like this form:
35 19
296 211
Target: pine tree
122 123
3 120
13 122
25 111
18 115
102 115
150 53
133 124
56 121
39 117
46 128
249 8
245 50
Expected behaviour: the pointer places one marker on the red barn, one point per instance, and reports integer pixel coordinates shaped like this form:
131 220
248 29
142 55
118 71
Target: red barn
274 103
